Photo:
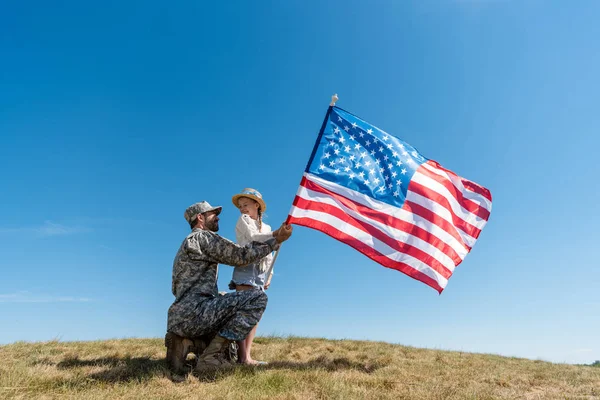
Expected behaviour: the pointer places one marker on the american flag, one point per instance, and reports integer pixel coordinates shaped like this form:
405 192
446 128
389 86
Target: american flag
378 194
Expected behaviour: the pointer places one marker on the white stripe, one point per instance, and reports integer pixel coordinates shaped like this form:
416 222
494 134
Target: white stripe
395 234
457 209
371 242
476 198
442 212
395 212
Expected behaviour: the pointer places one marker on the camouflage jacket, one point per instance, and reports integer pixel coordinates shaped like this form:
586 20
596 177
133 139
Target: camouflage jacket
195 268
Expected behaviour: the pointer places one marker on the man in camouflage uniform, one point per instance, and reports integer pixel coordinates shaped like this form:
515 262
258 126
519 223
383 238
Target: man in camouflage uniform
198 309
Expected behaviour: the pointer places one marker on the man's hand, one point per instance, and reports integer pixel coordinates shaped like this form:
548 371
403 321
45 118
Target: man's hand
283 233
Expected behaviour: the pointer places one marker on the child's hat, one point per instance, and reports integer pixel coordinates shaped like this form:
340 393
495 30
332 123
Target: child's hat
251 194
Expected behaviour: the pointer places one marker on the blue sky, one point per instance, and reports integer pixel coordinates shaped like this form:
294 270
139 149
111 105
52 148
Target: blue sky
115 116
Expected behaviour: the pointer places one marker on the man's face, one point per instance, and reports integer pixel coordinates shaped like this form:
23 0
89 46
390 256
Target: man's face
211 221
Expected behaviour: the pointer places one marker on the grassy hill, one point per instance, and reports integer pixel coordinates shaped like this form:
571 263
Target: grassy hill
299 369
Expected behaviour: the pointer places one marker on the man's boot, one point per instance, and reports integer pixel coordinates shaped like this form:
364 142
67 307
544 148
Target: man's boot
213 357
199 346
177 351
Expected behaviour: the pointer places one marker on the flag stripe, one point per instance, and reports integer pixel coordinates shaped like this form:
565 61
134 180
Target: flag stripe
464 185
439 229
465 202
397 240
431 211
397 229
398 248
335 228
441 200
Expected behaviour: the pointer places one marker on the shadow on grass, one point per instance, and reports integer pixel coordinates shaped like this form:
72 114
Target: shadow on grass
330 365
319 363
120 369
126 369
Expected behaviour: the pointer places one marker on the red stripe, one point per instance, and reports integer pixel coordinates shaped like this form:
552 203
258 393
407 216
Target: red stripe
401 247
388 220
441 200
435 219
366 250
472 186
465 203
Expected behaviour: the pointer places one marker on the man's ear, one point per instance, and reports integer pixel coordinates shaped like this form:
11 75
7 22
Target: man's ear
200 219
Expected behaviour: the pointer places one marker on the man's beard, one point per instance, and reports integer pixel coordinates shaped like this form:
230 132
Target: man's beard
212 226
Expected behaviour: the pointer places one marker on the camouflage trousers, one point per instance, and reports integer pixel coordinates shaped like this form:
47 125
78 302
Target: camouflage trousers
232 315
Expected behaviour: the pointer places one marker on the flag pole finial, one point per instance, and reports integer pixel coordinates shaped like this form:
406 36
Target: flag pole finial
334 98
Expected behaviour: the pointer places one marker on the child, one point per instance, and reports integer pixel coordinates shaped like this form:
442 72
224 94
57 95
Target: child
250 227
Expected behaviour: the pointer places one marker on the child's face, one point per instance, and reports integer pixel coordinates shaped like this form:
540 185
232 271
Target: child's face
249 207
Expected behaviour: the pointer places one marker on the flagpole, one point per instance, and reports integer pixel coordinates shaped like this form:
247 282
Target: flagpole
334 99
270 271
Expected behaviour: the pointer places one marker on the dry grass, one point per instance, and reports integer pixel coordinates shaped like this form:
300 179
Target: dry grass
299 369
